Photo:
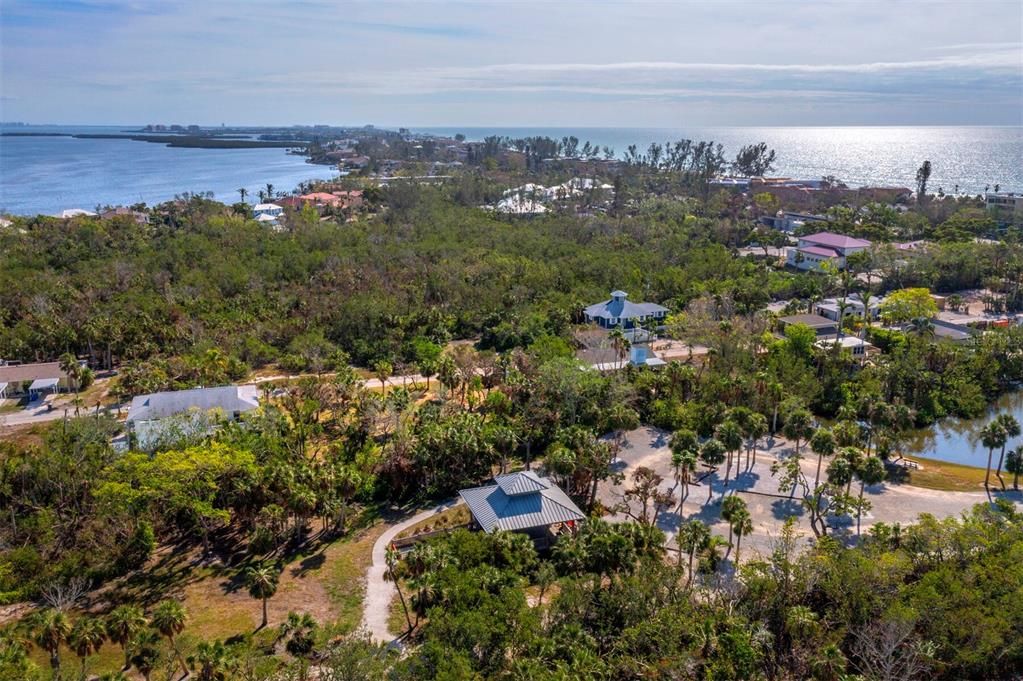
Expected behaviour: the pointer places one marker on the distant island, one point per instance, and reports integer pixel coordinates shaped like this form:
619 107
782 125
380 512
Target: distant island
312 140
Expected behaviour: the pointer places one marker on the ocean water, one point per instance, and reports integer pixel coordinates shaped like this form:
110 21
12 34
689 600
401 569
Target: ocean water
970 157
49 174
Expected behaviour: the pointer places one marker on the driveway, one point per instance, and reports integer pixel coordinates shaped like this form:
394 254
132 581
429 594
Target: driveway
769 505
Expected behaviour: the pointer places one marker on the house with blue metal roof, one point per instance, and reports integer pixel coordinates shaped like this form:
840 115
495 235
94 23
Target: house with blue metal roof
522 502
620 311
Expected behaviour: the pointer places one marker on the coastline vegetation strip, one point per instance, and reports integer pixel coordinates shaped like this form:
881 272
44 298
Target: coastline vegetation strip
189 141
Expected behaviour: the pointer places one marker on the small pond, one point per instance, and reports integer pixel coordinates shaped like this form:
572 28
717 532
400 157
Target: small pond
958 440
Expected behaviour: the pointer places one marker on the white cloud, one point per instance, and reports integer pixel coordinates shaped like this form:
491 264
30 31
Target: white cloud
316 60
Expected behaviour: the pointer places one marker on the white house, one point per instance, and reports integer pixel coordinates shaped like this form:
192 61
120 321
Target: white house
69 213
151 417
271 209
857 346
814 250
854 306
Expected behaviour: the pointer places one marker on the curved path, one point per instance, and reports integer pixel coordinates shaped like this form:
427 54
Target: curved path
379 590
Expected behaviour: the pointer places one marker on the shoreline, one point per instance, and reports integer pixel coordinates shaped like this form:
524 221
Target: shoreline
170 140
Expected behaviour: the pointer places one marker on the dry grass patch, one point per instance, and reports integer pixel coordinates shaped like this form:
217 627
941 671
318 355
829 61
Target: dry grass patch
949 477
344 576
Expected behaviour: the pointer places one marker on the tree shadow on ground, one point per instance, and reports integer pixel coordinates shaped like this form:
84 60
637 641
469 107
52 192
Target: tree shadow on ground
787 508
313 562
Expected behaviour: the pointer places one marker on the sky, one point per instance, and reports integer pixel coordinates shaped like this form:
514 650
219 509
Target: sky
578 64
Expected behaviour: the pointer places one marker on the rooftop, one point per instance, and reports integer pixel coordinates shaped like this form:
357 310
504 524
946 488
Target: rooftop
844 341
814 321
619 307
819 250
833 240
520 501
228 398
30 372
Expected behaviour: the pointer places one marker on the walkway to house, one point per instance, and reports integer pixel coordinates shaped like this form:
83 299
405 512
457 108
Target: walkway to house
379 590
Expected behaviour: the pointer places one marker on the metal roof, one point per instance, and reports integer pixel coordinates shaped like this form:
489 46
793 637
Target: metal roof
832 240
619 307
525 482
44 383
819 250
493 509
228 398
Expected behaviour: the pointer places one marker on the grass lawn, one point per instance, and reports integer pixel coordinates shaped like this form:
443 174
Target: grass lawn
951 477
344 578
324 580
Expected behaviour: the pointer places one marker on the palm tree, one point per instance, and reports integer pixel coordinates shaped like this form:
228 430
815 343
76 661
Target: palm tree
712 453
262 583
79 377
756 428
212 661
871 471
620 344
383 370
169 618
776 392
123 623
731 508
145 652
992 436
730 435
50 629
299 630
684 458
822 444
86 638
798 426
1011 427
393 558
742 525
1014 464
922 327
269 192
243 192
692 538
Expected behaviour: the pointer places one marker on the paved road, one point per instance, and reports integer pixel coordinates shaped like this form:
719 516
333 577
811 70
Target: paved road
380 592
40 413
769 505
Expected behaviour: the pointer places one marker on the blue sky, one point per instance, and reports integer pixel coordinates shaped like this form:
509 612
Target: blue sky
896 62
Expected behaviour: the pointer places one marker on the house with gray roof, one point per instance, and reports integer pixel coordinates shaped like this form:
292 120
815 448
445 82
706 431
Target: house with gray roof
522 502
186 413
620 311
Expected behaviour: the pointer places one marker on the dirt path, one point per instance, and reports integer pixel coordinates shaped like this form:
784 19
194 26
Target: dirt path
380 591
